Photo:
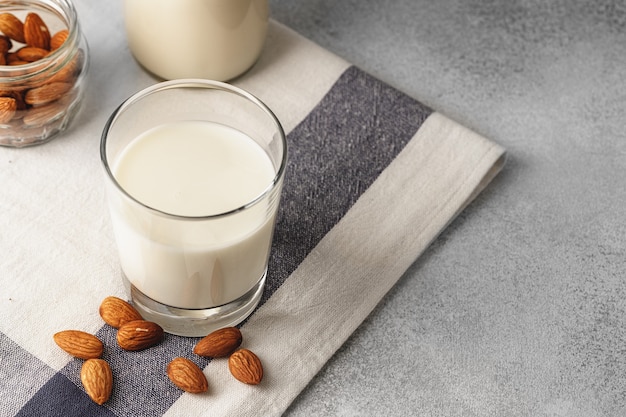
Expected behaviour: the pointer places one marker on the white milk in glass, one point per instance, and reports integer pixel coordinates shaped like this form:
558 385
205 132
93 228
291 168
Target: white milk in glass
193 169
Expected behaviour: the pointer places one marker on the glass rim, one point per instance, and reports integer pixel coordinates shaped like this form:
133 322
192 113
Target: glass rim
199 83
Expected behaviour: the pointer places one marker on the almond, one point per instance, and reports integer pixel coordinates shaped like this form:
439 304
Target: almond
8 107
58 39
80 344
12 27
5 44
69 71
12 57
187 376
36 32
17 95
219 343
115 312
41 115
139 334
246 367
97 379
31 53
20 105
46 93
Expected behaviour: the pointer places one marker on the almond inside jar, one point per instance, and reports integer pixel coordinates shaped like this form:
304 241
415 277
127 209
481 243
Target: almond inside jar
43 62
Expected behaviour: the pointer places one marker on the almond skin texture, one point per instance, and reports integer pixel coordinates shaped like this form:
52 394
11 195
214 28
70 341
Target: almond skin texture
80 344
39 116
47 93
219 343
36 32
139 334
8 107
16 95
58 39
246 367
187 376
31 53
97 379
18 62
12 27
115 312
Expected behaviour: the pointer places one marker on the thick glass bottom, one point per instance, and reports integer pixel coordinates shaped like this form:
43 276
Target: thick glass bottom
195 322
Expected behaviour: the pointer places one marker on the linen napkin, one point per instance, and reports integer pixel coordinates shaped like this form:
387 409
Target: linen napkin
373 177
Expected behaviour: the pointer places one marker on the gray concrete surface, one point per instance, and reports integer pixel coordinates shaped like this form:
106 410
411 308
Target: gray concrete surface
519 308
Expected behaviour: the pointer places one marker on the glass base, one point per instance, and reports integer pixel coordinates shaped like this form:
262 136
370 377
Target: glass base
195 322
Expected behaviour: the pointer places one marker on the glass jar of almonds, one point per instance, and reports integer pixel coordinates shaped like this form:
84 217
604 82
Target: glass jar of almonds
43 65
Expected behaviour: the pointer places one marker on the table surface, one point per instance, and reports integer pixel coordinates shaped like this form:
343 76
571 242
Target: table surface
518 308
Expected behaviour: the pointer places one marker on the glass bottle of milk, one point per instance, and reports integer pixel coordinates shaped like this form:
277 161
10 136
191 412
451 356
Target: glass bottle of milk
212 39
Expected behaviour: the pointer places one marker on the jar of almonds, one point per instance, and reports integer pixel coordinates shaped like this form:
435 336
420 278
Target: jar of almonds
43 65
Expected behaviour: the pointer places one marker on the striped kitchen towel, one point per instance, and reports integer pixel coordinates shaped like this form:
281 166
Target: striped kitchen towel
373 177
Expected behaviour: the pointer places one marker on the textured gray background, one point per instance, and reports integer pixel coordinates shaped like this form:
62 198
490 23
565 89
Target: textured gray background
518 309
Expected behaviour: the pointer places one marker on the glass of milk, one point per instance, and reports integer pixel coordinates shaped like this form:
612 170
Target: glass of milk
193 172
214 39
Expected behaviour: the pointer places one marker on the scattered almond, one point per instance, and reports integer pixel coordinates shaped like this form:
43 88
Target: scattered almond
246 367
219 343
8 106
139 334
97 379
80 344
115 312
58 39
36 32
187 376
12 27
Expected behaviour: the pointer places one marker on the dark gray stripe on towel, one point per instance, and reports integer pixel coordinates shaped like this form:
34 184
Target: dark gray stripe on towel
335 154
